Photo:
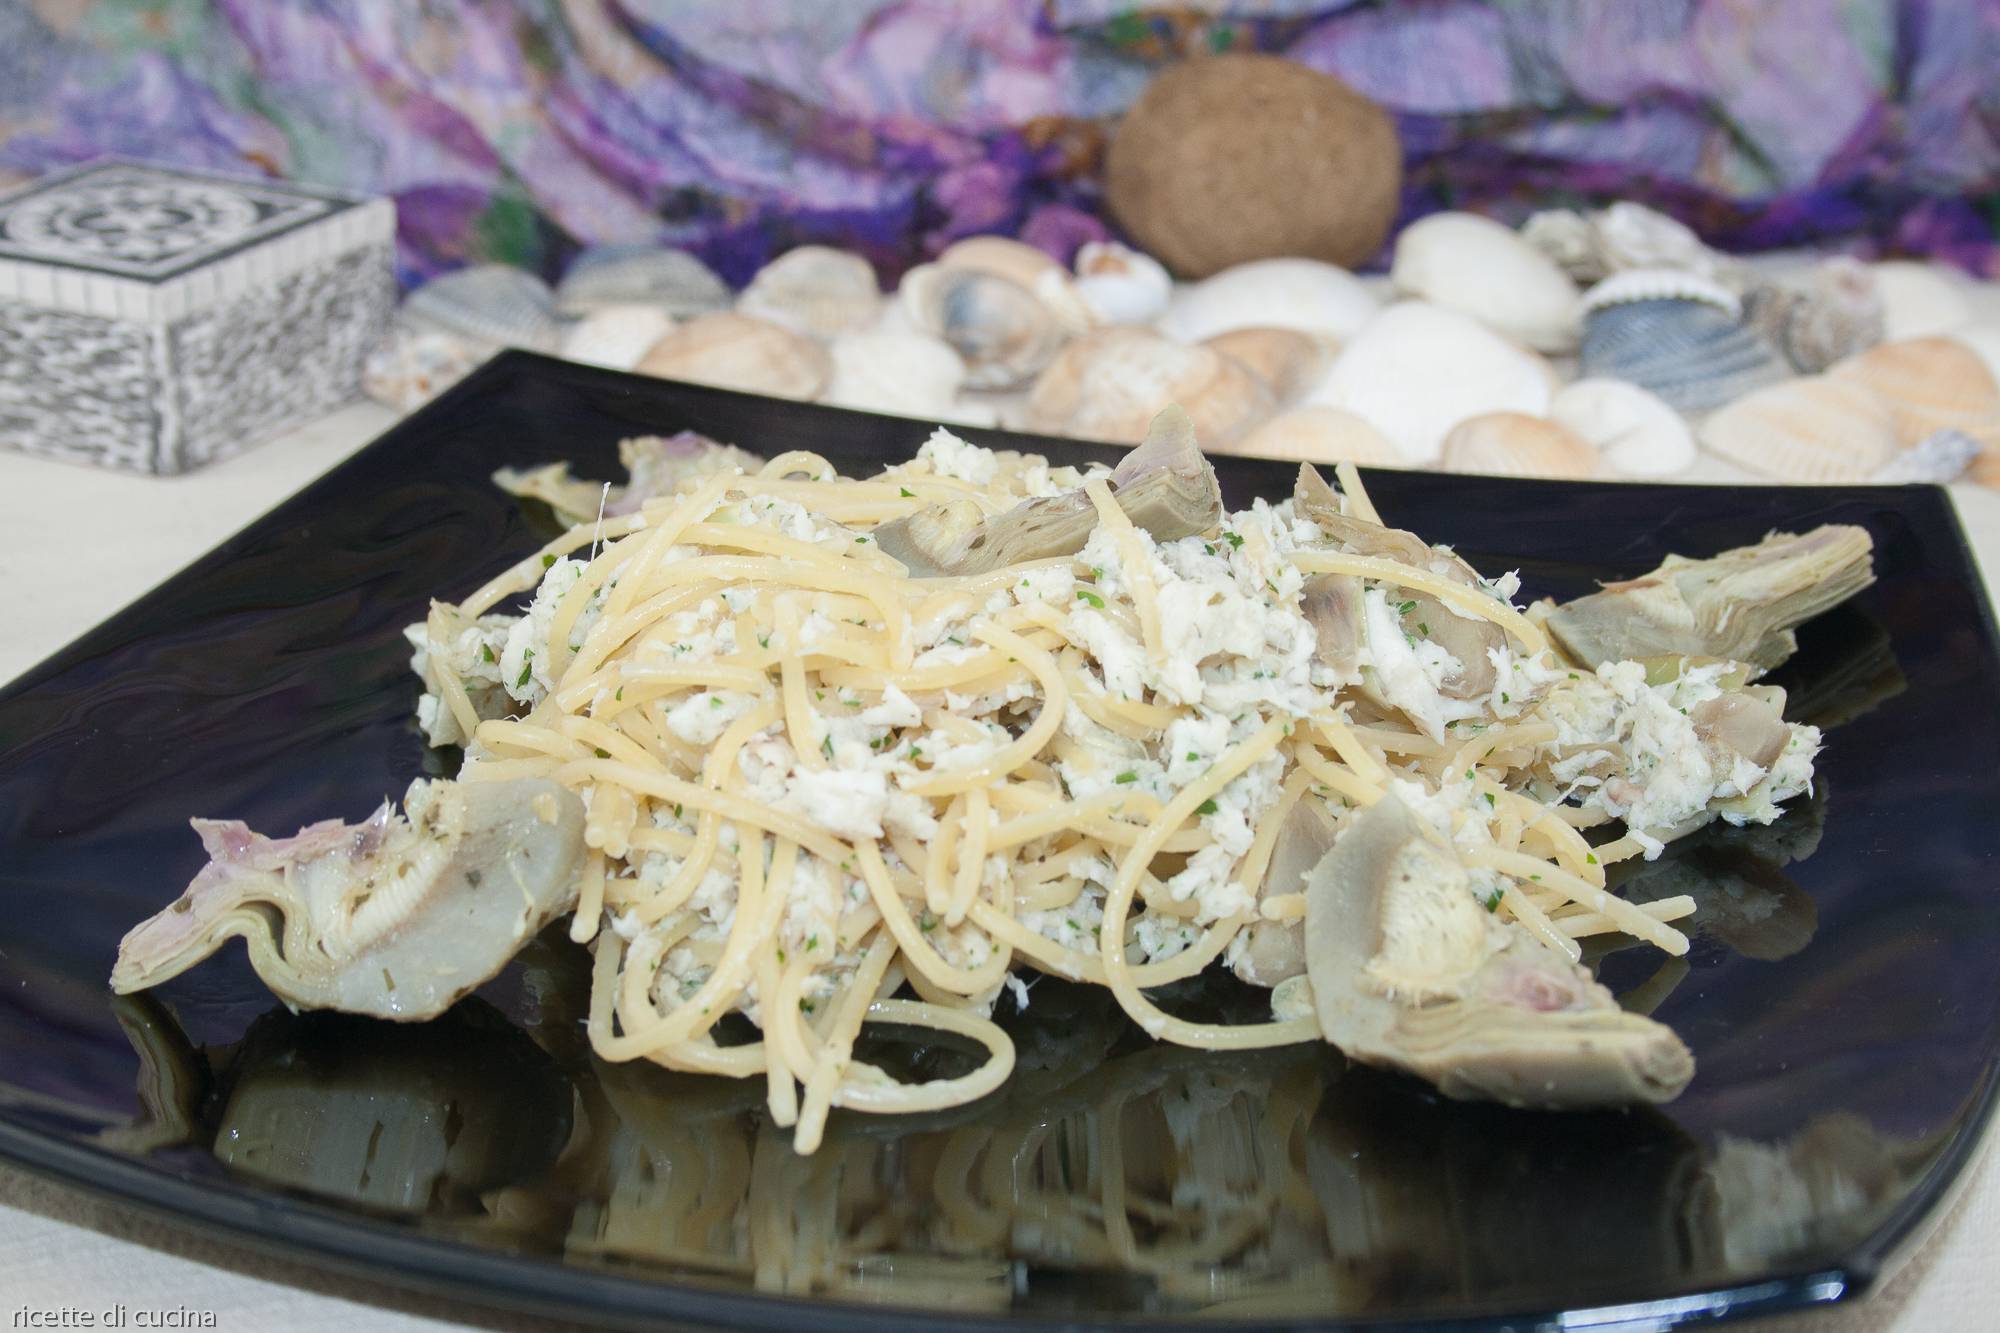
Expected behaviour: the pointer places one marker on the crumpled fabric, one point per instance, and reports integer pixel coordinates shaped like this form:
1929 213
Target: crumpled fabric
518 130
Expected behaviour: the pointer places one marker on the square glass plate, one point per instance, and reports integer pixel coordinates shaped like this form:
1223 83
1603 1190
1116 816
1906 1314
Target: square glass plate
1840 996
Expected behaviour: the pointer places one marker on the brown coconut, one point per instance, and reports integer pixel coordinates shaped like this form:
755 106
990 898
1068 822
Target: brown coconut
1228 158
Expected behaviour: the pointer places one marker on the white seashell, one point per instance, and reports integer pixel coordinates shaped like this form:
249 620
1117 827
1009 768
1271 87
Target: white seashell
1121 285
965 411
1937 458
815 290
1512 444
1415 371
616 336
488 305
1473 265
1635 431
1287 361
1110 384
902 374
1319 435
1929 385
1302 294
672 280
1660 284
735 351
1816 429
1918 300
1983 340
409 367
1005 335
1027 267
1590 247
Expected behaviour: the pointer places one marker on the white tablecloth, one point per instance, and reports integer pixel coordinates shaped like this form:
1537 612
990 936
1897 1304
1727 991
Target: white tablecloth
75 545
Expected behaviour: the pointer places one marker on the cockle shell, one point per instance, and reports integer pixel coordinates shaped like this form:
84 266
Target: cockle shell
1110 384
1514 445
1416 370
1835 313
1918 300
1121 285
735 351
1319 435
1634 431
814 290
488 305
1302 294
671 280
1817 429
616 336
1929 384
902 374
1473 265
1681 337
1020 263
1288 362
1005 335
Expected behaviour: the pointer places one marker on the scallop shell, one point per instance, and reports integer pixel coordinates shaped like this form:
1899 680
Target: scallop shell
1688 348
1005 334
1109 385
672 280
1302 294
902 374
489 306
1634 431
1415 371
1836 313
1288 362
1473 265
1817 429
1515 445
736 351
616 336
1029 268
814 290
1319 435
1121 285
1929 384
1919 300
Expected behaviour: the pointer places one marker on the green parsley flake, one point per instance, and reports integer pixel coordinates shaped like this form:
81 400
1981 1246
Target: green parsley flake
620 696
486 652
1590 857
603 754
1207 807
1493 900
1086 595
1235 542
827 746
908 494
548 562
1125 778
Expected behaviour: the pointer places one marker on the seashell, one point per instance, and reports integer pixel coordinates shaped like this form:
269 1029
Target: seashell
616 336
1302 294
1680 336
905 375
1471 264
671 280
1005 335
815 290
1928 385
1287 361
735 351
1319 435
1836 314
409 367
1817 429
1937 458
1594 246
1634 431
1918 300
1110 384
1120 285
1416 370
488 305
1515 445
1029 268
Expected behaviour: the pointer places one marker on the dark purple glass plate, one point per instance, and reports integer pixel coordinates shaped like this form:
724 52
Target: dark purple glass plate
1840 997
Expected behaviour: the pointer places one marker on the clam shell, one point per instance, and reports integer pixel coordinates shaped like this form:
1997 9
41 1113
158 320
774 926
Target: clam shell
672 280
1929 385
815 290
1121 285
1027 267
1005 335
1919 300
1415 371
1319 435
736 351
1473 265
1515 445
1817 429
1635 433
1302 294
901 374
616 335
488 305
1109 385
1288 362
1690 352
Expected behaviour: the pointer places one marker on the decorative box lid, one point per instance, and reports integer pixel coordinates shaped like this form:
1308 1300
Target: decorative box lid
128 241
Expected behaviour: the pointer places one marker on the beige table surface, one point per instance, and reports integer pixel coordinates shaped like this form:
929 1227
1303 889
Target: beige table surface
75 545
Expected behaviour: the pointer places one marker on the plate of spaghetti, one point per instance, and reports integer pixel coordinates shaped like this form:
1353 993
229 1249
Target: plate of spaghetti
1024 862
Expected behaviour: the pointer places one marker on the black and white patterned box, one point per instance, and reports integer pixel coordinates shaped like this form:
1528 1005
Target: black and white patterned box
155 319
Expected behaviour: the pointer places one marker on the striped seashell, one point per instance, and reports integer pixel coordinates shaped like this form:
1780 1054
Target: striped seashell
1660 284
815 290
616 336
1288 361
489 306
671 280
1318 435
1514 444
1679 336
1929 385
735 351
1812 430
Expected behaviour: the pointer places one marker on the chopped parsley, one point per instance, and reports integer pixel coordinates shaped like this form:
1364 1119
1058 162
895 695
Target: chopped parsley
527 669
781 953
1424 628
1590 857
812 943
603 753
1489 800
805 1005
926 922
763 638
1126 778
1504 699
827 745
548 562
486 652
908 494
1207 807
859 540
1086 595
1493 900
620 696
715 701
1404 608
1235 542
